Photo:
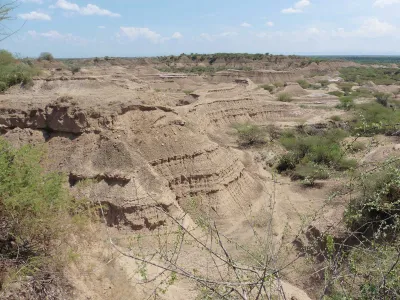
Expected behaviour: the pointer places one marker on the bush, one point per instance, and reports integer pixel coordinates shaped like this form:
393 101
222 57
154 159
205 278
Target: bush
309 171
377 206
373 118
13 72
6 58
268 87
75 69
346 88
336 93
284 97
3 86
249 135
46 56
336 118
313 150
382 98
303 83
346 103
35 208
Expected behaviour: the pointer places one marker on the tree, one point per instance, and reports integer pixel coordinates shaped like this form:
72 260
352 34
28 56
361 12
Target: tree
5 10
46 56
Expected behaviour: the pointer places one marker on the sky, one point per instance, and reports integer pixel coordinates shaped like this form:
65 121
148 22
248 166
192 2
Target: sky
129 28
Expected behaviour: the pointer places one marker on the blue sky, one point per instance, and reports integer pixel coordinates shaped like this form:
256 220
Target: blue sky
88 28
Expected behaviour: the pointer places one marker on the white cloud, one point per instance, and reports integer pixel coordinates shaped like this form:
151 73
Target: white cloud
55 35
101 27
245 24
270 24
177 36
213 37
134 33
32 1
370 28
34 15
383 3
88 10
297 8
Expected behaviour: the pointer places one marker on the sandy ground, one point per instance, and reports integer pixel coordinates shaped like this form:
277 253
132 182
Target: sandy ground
149 136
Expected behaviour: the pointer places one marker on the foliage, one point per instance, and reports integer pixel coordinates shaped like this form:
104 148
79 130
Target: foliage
373 118
377 206
346 103
361 75
188 92
14 72
6 58
46 56
268 87
346 87
336 118
75 69
35 207
303 83
382 98
3 86
284 97
249 134
336 93
309 154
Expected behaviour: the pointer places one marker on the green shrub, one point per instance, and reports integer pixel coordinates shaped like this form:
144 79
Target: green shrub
268 87
346 103
6 58
36 210
303 83
336 118
287 162
324 83
249 135
313 150
377 206
188 92
373 118
3 86
75 69
284 97
46 56
309 171
385 76
336 93
382 98
357 146
346 87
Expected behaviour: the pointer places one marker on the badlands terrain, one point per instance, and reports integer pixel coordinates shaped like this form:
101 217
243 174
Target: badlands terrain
183 159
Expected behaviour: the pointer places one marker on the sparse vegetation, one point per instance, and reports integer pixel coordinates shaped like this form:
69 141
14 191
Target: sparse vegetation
336 118
346 103
188 92
284 97
382 98
250 135
75 69
309 154
361 75
268 87
304 83
36 212
14 72
336 93
374 118
46 56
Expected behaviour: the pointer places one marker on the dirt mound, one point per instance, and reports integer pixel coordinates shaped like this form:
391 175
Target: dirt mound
294 89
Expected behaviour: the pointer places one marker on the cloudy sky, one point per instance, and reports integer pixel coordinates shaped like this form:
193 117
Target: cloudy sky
88 28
